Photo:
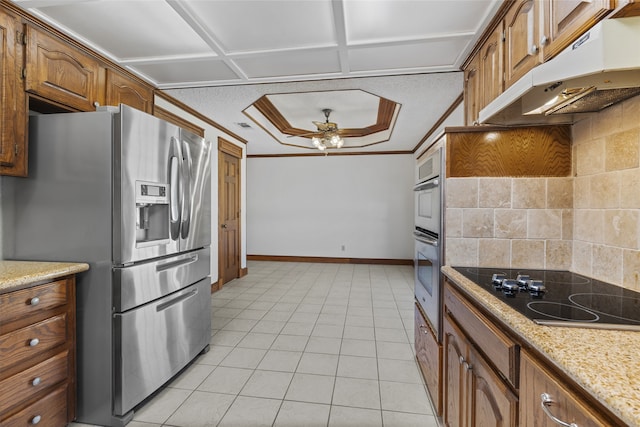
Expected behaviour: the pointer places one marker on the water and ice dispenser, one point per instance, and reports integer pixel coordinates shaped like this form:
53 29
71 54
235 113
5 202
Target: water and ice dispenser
152 213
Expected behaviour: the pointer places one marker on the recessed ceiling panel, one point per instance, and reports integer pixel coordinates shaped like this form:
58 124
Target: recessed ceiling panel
243 26
175 73
129 29
290 64
427 55
349 108
389 20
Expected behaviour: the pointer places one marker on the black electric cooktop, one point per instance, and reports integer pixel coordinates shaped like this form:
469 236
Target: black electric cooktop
560 298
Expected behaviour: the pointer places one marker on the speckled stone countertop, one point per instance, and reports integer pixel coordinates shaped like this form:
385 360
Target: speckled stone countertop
20 274
605 363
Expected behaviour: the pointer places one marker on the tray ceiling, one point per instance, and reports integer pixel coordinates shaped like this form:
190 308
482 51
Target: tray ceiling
187 44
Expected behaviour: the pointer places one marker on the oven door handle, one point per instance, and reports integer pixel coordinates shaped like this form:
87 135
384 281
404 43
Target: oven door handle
426 185
425 239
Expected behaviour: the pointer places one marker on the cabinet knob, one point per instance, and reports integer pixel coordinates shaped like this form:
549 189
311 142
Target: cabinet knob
34 342
36 381
546 401
34 301
544 40
35 420
534 49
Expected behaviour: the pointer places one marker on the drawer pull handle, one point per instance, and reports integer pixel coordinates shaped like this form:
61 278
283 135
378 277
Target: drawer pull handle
547 401
36 381
34 342
34 301
35 420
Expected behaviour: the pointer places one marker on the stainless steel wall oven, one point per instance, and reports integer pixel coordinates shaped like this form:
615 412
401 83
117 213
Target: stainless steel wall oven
429 240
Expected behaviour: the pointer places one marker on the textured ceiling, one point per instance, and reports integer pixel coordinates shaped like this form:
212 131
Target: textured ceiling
210 44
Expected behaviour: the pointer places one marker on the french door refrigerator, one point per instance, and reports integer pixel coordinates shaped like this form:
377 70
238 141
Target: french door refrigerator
130 195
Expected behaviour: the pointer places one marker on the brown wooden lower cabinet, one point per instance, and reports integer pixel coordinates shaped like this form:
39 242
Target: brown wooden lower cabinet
429 356
474 394
563 401
37 355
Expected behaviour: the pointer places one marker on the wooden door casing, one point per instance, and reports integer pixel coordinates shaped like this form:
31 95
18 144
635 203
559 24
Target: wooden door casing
229 248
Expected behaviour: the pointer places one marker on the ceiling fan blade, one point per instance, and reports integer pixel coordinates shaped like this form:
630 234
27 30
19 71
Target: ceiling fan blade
304 134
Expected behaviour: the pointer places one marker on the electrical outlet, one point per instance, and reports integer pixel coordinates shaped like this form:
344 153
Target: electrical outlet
342 248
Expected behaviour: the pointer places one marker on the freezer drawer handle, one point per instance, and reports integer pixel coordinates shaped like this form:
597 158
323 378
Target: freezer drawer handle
175 301
178 263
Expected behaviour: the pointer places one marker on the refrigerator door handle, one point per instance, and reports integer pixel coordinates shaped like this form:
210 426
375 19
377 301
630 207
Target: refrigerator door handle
175 189
186 191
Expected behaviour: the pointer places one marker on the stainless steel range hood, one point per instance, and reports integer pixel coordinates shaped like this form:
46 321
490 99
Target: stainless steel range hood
599 69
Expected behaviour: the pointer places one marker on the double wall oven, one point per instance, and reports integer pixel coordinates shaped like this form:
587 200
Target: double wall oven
429 239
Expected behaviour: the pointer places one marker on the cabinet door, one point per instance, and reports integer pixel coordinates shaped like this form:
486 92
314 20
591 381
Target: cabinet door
57 71
122 90
491 401
492 66
522 35
565 20
454 375
429 355
472 91
13 109
566 406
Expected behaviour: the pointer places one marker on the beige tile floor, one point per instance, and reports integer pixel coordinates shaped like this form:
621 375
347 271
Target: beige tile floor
303 344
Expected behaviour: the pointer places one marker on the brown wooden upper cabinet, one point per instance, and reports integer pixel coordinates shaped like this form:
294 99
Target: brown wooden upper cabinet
13 114
522 35
566 20
472 91
124 90
59 72
492 66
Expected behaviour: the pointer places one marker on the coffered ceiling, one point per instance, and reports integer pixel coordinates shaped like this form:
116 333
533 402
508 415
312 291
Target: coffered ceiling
191 47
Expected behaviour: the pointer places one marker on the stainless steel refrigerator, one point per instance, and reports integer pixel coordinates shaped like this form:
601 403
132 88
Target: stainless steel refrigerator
129 194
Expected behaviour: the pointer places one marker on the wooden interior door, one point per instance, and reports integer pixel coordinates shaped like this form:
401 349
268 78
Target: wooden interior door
229 156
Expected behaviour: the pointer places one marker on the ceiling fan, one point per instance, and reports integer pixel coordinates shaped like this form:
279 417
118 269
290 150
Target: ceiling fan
327 135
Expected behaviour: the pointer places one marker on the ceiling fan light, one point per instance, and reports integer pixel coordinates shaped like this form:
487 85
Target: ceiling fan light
335 139
315 141
340 143
321 147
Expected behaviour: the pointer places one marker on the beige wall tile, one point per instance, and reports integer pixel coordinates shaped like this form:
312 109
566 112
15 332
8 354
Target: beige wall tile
494 253
510 223
558 254
581 130
529 193
608 121
567 224
494 192
477 223
589 157
461 252
620 228
544 224
453 222
607 264
630 189
588 225
560 193
631 269
527 254
605 190
630 113
582 257
461 192
582 192
622 150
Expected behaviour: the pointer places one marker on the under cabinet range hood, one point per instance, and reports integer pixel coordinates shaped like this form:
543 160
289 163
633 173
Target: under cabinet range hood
599 69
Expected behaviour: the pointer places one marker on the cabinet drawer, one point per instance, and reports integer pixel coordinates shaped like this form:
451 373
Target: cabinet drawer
34 339
50 411
22 303
497 347
22 385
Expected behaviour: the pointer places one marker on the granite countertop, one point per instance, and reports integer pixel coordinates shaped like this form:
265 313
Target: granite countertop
604 362
15 275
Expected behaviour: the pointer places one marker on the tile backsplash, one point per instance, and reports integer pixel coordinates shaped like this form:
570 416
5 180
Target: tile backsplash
588 223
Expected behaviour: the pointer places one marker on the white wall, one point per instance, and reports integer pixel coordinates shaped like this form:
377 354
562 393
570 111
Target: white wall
312 206
212 134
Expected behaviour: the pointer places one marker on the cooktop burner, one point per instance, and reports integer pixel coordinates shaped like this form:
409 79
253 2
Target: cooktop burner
560 298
